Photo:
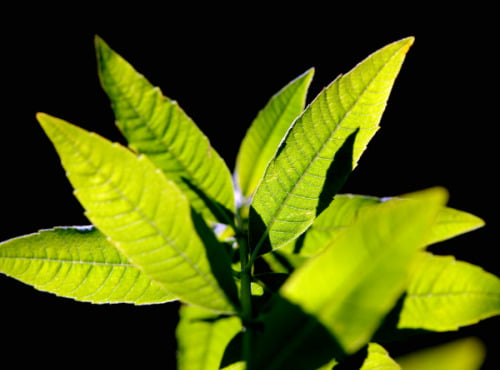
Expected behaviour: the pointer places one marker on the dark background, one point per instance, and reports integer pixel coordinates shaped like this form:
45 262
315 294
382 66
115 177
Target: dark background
222 64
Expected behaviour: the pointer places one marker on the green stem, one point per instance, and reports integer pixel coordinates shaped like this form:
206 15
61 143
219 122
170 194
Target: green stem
246 299
245 292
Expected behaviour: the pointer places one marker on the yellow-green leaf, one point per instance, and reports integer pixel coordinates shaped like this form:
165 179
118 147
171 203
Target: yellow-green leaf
378 358
267 130
345 208
322 147
79 263
157 127
445 294
202 337
462 354
357 279
143 214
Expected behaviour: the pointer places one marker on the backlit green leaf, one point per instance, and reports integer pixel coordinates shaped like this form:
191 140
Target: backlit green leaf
322 148
157 127
267 130
144 215
80 263
461 354
240 365
334 219
445 294
378 358
202 337
346 207
452 222
329 366
356 280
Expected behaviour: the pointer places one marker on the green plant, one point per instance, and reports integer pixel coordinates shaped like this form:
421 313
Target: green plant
274 267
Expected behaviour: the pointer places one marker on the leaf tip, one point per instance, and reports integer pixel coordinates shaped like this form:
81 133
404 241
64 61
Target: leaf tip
42 118
99 44
49 123
40 115
476 222
310 71
99 41
102 49
407 42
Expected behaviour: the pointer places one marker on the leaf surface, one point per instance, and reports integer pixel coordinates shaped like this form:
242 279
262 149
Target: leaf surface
156 126
331 222
452 222
267 130
357 280
144 215
345 208
202 337
378 358
329 366
322 147
462 354
445 294
79 263
240 365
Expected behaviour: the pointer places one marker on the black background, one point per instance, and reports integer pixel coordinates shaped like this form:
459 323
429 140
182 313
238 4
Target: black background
222 63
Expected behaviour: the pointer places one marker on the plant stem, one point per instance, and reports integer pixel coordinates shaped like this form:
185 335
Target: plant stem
246 280
246 299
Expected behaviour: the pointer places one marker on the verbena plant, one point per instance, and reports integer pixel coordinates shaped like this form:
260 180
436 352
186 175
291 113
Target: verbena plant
274 268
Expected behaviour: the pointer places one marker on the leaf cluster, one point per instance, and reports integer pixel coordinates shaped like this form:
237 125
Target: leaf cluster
274 266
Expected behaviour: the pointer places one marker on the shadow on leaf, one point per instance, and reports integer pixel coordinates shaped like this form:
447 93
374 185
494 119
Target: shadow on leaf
288 338
221 213
337 173
218 258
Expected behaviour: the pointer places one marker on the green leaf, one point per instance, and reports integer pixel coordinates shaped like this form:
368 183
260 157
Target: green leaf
79 263
329 366
322 147
144 215
461 354
357 280
345 208
267 130
378 358
157 127
240 365
445 294
452 222
331 222
202 337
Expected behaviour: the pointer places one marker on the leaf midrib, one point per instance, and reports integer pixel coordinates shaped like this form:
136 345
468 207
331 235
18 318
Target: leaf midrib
146 123
66 261
184 168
